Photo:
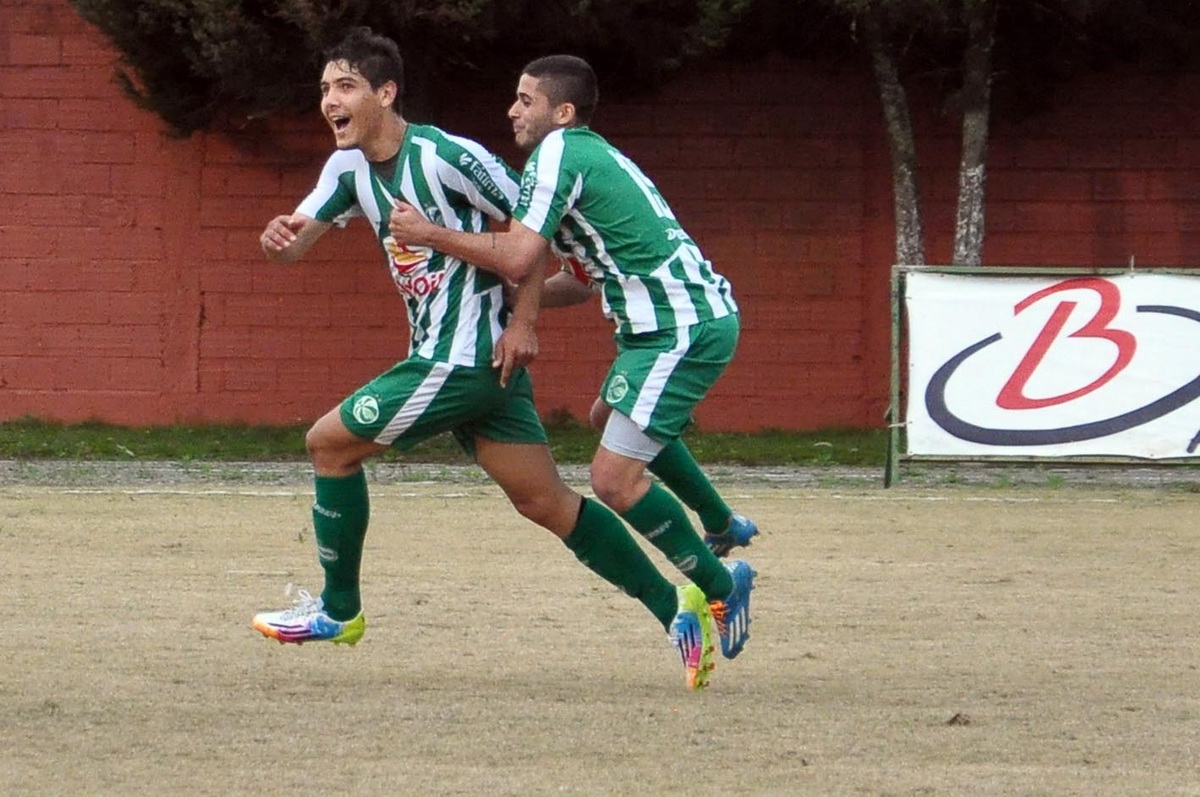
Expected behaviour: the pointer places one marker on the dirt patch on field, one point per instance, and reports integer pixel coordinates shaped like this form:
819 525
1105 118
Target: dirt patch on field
975 640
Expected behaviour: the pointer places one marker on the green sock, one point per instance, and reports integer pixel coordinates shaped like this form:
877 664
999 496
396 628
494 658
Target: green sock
602 543
340 516
678 469
662 520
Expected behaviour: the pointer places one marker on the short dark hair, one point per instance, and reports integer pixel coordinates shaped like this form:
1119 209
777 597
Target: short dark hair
567 78
375 57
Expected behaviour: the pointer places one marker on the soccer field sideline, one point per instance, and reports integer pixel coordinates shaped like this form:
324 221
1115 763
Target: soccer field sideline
895 496
1000 474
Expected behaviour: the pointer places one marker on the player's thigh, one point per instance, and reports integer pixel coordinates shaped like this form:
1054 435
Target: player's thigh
334 449
657 380
509 443
511 417
418 399
529 478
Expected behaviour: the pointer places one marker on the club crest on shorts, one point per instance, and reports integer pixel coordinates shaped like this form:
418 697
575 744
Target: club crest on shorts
366 409
618 386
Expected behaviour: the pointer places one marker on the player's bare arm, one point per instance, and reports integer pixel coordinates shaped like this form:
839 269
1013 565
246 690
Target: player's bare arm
511 255
565 289
518 346
286 239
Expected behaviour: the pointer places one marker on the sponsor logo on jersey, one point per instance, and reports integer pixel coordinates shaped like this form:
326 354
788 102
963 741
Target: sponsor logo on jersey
482 178
528 183
366 409
405 259
420 286
618 386
409 267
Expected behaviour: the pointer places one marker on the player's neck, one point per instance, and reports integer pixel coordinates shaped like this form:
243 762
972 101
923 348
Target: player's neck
388 142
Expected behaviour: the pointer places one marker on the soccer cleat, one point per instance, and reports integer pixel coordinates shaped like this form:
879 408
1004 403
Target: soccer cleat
691 634
732 615
306 621
738 535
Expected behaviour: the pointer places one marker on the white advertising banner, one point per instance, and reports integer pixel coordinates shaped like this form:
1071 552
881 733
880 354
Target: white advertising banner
1045 366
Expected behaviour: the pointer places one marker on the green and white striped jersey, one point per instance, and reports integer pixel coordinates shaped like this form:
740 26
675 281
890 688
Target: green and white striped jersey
455 311
594 204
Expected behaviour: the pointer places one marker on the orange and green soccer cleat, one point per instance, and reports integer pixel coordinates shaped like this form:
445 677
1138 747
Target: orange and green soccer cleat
691 634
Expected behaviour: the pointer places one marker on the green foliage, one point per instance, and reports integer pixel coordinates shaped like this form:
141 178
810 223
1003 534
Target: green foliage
201 63
192 60
571 442
1040 44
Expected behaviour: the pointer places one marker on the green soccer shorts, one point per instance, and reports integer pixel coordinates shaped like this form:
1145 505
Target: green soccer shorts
419 398
658 378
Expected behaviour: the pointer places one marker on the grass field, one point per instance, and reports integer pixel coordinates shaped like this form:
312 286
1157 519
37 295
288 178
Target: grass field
950 640
570 441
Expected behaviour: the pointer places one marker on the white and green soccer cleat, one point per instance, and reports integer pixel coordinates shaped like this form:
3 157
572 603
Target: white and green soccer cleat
691 634
306 621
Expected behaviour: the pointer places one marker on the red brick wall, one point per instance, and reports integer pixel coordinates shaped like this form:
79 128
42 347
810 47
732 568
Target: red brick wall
132 289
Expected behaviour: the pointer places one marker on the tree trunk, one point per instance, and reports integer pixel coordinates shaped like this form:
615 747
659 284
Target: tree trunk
910 237
980 19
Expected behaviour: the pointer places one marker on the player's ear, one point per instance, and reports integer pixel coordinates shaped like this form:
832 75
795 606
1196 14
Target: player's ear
564 114
387 93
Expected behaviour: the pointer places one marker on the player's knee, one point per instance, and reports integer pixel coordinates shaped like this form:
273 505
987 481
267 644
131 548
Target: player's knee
611 488
328 452
314 442
549 510
532 507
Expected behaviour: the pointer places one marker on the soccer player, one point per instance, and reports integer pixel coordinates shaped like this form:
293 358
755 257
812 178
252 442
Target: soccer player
674 465
676 319
464 372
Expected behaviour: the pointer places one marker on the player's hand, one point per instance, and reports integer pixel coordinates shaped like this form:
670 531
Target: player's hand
517 348
406 224
280 233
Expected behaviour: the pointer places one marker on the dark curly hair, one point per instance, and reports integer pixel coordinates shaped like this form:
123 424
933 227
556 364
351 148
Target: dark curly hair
375 57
